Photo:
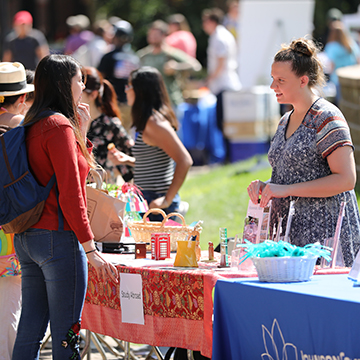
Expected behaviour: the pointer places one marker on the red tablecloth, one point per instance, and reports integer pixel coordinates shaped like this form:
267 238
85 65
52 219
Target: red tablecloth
178 305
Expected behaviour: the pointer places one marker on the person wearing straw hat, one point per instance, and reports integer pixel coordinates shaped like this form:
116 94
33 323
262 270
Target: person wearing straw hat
13 90
79 33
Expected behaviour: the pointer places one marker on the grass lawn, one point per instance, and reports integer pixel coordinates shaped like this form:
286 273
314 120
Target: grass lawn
219 198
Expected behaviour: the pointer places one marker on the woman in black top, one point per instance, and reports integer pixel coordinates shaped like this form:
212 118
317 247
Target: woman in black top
157 148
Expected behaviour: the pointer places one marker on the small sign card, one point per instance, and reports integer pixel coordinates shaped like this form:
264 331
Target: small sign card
256 227
131 299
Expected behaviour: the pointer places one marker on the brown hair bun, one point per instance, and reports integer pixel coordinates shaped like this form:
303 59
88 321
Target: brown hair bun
302 47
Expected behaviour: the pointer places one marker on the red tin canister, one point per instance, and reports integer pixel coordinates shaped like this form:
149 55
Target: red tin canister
160 246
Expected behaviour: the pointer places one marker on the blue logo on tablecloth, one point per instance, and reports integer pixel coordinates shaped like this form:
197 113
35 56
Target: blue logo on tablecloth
277 349
275 346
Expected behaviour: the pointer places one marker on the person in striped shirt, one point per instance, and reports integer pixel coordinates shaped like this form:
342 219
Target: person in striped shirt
160 160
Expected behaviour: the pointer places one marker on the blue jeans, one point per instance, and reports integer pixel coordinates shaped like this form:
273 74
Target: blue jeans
149 196
54 282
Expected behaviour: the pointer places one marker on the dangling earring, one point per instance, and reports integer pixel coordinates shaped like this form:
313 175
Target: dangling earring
22 109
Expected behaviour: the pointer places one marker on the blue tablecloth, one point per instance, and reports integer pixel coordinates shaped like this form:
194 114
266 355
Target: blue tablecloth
318 319
199 131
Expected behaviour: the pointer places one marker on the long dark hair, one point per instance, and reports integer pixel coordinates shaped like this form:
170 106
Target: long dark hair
106 100
150 96
53 92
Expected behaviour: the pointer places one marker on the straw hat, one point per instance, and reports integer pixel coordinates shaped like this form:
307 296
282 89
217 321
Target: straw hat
13 79
82 21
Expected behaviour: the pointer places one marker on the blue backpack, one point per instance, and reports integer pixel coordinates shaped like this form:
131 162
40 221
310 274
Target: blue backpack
22 199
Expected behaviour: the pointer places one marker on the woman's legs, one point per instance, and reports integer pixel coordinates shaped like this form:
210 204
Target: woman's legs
10 303
54 273
34 310
66 294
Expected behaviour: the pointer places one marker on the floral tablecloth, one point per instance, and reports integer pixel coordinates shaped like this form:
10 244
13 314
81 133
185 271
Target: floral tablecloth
169 294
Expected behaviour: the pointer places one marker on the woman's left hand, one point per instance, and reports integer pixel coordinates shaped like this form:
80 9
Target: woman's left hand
102 267
159 203
273 191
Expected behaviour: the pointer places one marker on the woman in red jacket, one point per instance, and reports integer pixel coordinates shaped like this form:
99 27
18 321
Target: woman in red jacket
53 253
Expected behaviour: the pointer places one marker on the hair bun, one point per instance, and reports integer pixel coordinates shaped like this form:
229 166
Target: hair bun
301 47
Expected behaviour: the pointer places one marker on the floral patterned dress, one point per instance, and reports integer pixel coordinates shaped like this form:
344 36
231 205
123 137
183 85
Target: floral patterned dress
105 130
302 157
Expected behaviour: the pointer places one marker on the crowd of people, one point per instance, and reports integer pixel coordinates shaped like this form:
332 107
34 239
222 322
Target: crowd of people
63 119
101 92
107 45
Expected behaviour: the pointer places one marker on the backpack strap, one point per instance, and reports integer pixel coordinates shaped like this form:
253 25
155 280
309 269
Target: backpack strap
4 129
6 159
60 213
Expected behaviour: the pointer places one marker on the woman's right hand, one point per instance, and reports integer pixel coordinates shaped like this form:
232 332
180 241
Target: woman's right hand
84 118
102 267
255 189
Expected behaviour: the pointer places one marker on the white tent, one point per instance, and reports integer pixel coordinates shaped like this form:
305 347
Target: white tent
263 26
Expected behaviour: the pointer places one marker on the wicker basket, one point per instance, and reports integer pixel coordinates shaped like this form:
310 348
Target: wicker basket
284 269
141 230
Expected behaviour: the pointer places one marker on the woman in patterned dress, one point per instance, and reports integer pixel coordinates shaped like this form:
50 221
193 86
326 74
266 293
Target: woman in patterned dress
311 156
106 127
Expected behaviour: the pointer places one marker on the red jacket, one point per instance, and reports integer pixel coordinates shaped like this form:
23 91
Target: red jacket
52 147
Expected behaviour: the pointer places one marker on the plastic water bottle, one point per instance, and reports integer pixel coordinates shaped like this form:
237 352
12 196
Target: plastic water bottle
224 261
